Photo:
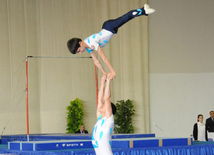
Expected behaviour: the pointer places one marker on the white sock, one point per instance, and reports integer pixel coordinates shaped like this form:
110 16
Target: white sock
148 10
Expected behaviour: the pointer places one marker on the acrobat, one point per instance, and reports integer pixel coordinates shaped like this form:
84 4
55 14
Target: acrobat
98 40
102 132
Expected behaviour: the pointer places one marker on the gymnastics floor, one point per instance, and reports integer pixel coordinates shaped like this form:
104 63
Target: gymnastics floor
122 144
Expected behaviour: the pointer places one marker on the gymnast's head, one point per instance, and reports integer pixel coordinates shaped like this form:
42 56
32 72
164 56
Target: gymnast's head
75 45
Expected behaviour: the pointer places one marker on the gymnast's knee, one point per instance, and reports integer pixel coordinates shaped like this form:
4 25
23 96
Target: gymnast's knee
109 25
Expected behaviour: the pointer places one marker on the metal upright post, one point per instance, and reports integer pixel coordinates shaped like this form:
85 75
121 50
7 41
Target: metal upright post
27 115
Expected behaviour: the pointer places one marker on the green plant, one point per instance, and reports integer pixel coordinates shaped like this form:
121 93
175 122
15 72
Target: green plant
75 116
123 117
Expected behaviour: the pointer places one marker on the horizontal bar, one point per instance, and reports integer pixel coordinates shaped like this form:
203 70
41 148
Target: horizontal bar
56 57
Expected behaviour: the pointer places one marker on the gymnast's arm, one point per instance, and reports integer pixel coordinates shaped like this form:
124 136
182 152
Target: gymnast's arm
100 95
97 63
108 64
107 99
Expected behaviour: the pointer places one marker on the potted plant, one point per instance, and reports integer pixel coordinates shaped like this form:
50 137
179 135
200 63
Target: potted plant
75 116
123 117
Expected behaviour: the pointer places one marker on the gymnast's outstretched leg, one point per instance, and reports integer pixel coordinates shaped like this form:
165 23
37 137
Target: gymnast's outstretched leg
113 24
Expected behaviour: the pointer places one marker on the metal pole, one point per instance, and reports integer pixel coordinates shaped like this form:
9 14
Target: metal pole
57 57
27 99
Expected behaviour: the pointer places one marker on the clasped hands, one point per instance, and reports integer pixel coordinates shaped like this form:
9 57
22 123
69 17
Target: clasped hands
110 76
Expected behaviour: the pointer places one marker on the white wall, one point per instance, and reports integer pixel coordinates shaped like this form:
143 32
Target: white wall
177 99
181 65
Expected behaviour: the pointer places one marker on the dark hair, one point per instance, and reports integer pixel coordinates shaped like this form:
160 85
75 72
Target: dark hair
114 109
199 116
73 45
211 112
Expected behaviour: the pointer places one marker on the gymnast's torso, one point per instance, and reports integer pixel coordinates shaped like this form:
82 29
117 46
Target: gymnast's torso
101 135
98 39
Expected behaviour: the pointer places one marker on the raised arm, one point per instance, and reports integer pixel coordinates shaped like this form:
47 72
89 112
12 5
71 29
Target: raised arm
108 64
107 98
100 95
97 63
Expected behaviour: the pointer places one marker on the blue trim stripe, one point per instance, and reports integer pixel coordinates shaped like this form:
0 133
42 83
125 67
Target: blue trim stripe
110 131
101 134
105 41
95 129
93 137
95 146
99 117
88 50
139 12
110 143
97 143
102 122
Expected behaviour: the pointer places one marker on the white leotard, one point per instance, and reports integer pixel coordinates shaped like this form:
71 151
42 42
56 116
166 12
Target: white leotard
101 135
98 39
